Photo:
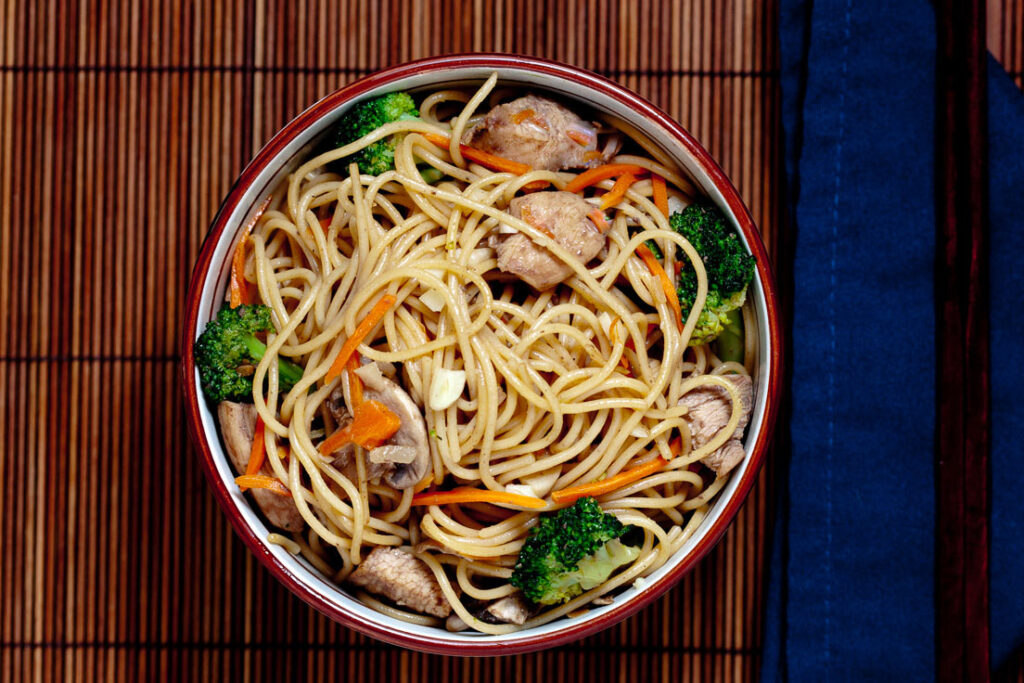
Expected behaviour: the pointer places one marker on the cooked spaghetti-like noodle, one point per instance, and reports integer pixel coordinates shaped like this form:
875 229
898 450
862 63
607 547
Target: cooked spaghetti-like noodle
564 386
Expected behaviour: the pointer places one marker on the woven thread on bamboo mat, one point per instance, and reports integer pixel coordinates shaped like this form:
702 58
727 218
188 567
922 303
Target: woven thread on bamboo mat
122 126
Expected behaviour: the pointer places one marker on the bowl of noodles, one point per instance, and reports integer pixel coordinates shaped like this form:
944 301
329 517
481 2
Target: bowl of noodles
481 354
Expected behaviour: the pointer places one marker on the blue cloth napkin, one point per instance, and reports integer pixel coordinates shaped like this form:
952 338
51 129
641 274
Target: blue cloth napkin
1006 278
854 563
853 557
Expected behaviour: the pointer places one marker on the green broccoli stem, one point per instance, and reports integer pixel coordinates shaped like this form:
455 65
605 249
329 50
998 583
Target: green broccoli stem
288 372
729 344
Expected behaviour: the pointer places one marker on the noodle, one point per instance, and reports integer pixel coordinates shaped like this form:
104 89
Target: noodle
565 386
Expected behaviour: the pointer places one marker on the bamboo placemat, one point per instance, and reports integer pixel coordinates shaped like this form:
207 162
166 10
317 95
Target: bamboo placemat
122 126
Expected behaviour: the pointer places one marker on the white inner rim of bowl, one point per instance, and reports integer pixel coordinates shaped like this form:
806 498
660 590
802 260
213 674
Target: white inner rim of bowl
288 159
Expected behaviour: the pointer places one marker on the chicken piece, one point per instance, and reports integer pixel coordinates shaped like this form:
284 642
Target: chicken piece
563 216
238 428
537 132
709 411
512 609
403 579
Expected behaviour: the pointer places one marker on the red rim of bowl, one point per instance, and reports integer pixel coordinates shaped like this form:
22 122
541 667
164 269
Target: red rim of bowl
570 632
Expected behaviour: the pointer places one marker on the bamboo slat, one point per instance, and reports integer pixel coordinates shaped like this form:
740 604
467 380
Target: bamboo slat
123 125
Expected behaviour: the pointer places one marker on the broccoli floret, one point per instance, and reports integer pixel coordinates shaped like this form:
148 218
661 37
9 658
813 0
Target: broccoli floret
729 267
570 551
228 350
366 117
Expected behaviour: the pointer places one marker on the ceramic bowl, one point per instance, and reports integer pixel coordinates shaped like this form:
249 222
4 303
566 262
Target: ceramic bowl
293 144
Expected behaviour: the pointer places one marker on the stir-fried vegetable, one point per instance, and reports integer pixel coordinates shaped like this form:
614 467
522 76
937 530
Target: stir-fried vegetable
238 288
258 452
599 173
570 551
664 280
467 494
366 117
364 328
228 351
660 193
603 486
262 481
618 191
372 424
729 267
491 161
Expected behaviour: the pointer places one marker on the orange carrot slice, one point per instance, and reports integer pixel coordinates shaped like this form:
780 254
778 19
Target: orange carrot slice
466 494
364 328
660 194
599 488
262 481
258 451
663 278
372 424
238 286
599 173
618 191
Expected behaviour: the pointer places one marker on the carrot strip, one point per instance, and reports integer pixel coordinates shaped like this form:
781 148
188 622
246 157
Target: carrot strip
618 191
660 194
239 288
364 328
262 481
237 285
523 115
372 424
466 494
666 282
579 137
491 161
596 175
599 488
355 385
597 217
425 483
258 452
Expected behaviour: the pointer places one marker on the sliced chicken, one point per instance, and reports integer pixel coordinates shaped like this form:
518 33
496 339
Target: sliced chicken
537 132
563 216
238 428
403 579
709 411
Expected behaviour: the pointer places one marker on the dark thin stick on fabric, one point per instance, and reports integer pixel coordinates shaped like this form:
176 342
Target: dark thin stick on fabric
962 438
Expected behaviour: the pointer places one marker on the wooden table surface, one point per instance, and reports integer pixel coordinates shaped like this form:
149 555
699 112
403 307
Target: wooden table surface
122 126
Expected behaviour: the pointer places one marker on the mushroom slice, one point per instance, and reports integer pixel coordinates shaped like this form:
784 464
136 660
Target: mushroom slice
512 609
238 429
399 455
411 435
